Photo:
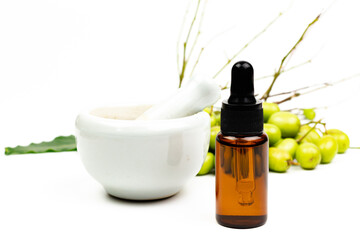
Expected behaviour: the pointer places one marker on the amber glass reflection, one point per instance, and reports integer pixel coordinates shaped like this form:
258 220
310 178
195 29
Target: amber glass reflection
241 180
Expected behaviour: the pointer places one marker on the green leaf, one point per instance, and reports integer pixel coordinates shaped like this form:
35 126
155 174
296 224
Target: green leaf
59 144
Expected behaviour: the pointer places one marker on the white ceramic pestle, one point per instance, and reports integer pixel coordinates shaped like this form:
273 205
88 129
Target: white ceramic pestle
199 93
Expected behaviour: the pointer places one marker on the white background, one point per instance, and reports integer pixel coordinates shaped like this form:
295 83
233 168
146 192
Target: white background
60 57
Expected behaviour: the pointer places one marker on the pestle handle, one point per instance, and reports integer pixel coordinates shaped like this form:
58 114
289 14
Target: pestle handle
192 98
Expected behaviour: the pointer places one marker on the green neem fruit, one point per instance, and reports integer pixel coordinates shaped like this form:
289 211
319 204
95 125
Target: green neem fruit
278 142
312 136
288 123
218 118
341 138
328 148
308 155
213 121
279 160
213 133
290 145
273 133
269 109
309 113
208 164
334 131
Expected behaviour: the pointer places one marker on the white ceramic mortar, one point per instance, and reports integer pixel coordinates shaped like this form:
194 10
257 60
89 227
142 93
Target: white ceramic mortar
141 159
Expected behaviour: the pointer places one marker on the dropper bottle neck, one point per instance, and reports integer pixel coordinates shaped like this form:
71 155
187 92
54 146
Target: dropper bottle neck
242 114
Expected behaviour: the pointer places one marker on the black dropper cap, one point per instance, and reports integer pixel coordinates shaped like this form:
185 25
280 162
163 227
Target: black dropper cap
242 114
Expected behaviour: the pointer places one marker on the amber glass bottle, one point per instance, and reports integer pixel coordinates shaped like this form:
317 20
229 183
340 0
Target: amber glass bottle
241 155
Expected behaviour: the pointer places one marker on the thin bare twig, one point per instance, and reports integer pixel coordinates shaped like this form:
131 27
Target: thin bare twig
283 63
285 70
204 47
246 45
184 61
289 92
307 133
199 30
197 61
288 98
317 122
226 86
179 37
295 93
302 109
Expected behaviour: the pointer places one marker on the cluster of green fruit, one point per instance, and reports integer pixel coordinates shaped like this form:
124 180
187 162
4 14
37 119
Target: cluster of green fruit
290 142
